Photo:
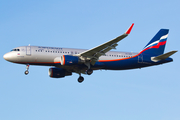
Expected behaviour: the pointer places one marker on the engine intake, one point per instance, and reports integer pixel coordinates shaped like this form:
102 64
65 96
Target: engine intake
69 60
58 72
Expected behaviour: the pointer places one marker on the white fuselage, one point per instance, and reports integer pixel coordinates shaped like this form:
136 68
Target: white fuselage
39 54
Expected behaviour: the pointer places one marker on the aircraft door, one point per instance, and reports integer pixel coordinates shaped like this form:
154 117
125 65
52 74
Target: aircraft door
140 58
28 50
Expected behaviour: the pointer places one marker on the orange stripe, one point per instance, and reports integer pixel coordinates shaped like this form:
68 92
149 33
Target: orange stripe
63 60
57 62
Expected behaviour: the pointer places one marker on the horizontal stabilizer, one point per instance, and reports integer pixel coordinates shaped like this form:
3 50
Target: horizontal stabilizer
163 56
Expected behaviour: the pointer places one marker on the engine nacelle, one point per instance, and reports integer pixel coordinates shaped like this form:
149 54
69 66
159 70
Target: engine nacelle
69 60
58 72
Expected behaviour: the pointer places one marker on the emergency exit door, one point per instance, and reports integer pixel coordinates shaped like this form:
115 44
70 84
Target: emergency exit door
140 58
28 50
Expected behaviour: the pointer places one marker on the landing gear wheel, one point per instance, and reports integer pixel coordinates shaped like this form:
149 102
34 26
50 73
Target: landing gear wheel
80 79
26 72
27 68
89 71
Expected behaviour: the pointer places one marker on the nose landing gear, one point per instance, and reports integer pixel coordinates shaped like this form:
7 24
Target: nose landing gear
27 68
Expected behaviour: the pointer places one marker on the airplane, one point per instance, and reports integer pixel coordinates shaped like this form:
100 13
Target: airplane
65 61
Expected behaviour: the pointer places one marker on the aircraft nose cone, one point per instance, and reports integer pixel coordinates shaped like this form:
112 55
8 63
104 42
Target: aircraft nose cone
7 56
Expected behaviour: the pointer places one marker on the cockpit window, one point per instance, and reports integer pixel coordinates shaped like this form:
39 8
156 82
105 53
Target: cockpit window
15 50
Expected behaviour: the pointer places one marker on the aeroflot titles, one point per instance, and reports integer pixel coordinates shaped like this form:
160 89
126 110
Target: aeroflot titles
50 47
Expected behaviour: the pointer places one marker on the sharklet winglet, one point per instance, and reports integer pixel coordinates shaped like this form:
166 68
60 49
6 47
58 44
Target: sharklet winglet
129 29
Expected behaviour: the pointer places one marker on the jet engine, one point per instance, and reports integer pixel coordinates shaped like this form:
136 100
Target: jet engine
69 60
58 72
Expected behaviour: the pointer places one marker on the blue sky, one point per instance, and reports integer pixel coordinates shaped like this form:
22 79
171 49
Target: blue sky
147 93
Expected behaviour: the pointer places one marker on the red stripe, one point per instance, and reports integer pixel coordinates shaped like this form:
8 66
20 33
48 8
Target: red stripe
156 46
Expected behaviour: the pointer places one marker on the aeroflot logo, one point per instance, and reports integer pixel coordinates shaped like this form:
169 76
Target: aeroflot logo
156 42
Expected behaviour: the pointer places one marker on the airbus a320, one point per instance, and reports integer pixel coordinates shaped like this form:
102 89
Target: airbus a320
65 61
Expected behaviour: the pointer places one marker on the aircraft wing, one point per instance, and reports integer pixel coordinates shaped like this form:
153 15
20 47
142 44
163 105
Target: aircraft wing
94 53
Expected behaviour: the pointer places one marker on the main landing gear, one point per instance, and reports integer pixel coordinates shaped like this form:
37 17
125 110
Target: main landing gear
89 71
27 68
80 79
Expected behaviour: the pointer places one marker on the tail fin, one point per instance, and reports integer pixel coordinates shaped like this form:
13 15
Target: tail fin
157 44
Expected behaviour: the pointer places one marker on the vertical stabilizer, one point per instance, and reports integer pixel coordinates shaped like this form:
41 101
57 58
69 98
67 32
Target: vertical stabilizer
157 44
